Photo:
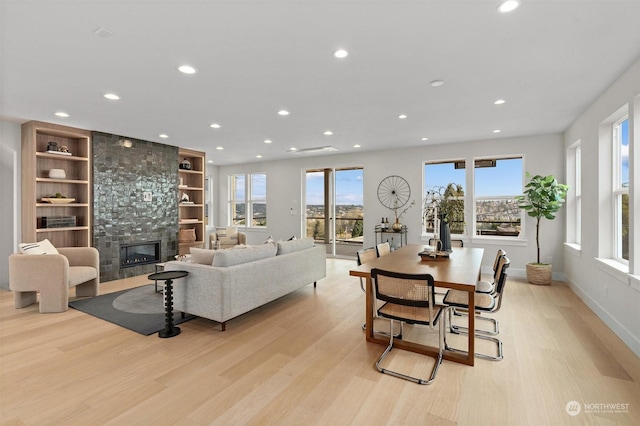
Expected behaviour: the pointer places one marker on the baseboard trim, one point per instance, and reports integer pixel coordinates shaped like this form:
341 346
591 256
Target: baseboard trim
620 330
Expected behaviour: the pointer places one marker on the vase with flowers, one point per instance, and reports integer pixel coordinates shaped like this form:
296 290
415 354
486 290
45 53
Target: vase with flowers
397 226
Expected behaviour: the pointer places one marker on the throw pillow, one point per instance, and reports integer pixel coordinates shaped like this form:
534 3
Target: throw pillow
232 232
41 247
202 256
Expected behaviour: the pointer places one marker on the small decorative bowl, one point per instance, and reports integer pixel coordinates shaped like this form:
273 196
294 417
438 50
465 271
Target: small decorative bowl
57 174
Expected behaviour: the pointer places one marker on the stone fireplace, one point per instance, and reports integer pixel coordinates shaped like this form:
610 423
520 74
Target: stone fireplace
135 200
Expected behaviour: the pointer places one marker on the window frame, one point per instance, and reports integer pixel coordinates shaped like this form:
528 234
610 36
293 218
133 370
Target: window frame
475 198
248 201
425 233
618 191
574 196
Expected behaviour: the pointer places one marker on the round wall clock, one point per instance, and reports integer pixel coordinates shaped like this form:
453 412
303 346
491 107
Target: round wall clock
394 192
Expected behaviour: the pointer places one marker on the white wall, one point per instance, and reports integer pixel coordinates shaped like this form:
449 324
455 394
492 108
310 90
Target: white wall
615 297
10 225
543 155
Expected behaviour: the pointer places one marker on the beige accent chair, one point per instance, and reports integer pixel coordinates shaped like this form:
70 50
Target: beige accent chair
226 238
52 275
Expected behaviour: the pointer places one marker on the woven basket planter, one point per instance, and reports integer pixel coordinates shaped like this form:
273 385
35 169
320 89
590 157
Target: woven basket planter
539 274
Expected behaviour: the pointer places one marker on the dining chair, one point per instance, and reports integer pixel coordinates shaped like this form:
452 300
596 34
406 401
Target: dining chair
486 303
383 249
365 256
483 287
490 286
408 298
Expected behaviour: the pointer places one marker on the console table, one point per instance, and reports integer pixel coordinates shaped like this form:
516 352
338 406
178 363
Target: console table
382 233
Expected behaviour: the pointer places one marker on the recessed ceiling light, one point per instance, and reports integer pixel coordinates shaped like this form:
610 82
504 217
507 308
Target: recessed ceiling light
215 126
356 145
424 139
112 96
508 5
340 53
61 114
268 141
328 133
187 69
210 161
258 156
292 149
402 116
283 112
499 101
436 83
163 136
497 131
219 148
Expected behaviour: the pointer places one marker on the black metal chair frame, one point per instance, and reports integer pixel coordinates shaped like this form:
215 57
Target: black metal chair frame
416 300
493 306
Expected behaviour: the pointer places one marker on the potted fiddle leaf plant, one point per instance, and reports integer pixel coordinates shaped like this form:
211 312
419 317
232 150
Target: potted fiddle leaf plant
542 199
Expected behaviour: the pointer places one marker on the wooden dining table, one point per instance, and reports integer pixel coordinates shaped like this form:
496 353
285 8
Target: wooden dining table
460 271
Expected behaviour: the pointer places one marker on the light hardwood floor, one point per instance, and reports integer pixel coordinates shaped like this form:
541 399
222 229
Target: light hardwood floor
303 360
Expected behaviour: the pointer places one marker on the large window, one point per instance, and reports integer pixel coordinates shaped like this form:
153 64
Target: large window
497 181
621 188
446 177
248 199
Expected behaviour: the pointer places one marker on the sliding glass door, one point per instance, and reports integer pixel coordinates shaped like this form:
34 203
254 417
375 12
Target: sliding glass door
335 209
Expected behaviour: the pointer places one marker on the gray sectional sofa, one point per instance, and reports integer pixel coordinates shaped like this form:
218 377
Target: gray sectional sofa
235 281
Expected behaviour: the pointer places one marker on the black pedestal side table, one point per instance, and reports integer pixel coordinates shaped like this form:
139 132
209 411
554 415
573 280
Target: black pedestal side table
168 276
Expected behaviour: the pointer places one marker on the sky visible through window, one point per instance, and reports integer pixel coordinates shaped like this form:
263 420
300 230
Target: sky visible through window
624 151
348 187
504 179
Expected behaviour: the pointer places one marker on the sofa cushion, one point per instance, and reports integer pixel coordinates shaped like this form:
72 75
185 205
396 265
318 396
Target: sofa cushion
41 247
285 247
249 254
202 256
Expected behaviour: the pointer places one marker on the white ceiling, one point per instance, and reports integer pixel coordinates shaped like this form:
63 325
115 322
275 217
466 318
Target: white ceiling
549 59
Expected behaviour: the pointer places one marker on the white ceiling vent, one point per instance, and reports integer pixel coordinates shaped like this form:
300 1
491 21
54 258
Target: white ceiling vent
315 149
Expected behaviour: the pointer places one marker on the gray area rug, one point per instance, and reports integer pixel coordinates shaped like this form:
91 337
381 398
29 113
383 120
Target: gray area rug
140 309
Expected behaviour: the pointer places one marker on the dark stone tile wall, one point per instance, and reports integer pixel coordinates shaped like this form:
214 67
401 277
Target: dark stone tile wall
121 177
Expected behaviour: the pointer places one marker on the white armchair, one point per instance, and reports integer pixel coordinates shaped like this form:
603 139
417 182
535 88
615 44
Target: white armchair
52 275
226 238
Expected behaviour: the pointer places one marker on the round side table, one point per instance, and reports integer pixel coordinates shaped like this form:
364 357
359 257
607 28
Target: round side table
168 276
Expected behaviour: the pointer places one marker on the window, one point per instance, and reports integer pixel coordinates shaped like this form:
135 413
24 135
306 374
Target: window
574 196
254 206
497 181
258 199
621 189
446 176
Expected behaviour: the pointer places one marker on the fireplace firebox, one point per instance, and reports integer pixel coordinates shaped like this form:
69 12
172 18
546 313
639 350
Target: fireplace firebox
140 253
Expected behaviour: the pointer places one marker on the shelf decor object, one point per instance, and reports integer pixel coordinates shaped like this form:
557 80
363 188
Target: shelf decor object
54 200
